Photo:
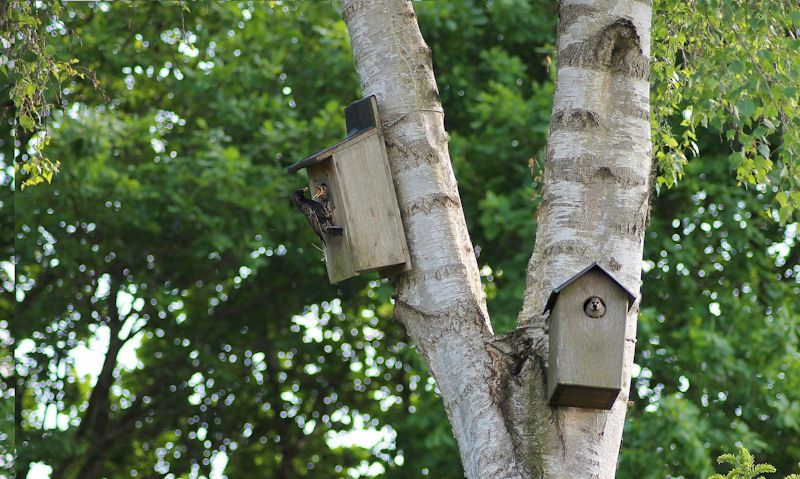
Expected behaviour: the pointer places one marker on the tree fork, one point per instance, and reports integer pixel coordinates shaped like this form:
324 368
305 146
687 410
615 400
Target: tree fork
595 207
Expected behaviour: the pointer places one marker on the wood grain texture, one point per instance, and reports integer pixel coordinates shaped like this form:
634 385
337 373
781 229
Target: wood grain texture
406 265
376 240
363 199
586 354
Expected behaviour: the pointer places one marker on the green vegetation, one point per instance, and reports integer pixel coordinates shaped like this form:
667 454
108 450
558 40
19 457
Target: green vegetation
730 69
37 79
744 466
168 240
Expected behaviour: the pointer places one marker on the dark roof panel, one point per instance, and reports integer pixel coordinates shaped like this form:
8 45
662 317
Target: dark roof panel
361 117
551 301
327 152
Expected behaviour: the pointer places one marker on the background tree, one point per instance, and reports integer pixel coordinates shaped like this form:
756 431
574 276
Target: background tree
271 378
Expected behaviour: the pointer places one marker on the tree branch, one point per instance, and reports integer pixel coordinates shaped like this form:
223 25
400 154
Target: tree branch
440 301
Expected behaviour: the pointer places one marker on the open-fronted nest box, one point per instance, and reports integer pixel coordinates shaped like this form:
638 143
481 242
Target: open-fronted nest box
587 339
353 205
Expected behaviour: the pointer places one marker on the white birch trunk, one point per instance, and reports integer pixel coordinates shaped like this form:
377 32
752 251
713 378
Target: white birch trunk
440 301
596 197
595 208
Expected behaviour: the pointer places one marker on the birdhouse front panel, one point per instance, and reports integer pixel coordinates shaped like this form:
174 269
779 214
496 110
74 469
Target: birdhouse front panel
373 227
338 256
587 341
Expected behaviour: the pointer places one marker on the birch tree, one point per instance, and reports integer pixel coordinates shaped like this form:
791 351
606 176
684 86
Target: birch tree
595 207
243 348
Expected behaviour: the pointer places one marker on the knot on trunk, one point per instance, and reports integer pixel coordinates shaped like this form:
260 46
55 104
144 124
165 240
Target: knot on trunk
616 48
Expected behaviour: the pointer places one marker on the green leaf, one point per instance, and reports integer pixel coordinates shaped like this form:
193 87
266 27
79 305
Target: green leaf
736 67
26 122
670 142
746 107
764 150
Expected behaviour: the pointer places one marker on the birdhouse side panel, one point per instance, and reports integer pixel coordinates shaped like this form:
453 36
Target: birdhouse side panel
553 366
376 239
406 265
338 256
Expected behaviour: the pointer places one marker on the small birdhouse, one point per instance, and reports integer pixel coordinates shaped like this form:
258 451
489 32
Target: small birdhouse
354 205
587 339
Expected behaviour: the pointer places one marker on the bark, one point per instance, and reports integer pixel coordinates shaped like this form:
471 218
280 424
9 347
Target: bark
595 208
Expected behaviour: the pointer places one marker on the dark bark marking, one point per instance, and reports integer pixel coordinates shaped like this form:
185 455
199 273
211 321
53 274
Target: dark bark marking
444 272
615 49
428 203
637 225
407 157
651 191
519 377
620 175
584 169
438 323
565 247
614 264
434 96
616 42
352 8
574 119
630 106
426 52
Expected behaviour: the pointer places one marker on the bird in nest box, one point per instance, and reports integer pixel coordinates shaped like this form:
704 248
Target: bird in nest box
317 214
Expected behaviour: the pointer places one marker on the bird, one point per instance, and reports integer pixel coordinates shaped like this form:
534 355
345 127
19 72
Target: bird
594 307
316 213
320 192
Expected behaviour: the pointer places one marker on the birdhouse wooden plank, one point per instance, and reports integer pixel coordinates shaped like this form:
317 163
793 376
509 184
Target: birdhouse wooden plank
587 339
354 205
338 256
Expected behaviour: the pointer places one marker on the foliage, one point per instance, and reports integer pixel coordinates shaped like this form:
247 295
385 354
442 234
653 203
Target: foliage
744 466
730 66
167 250
719 349
7 406
7 432
35 76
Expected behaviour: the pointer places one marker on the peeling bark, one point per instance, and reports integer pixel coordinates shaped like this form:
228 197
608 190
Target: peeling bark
595 208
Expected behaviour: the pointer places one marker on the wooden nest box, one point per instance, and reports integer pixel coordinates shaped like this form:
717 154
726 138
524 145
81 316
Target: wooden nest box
587 339
361 198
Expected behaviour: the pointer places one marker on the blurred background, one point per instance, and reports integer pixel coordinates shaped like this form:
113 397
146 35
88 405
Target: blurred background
173 315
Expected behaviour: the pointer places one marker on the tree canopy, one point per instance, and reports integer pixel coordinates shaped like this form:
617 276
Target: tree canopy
166 256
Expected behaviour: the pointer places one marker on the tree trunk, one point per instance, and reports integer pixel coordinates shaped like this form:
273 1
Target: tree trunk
440 302
595 208
596 196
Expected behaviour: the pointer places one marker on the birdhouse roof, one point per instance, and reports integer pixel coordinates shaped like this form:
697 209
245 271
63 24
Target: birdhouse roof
361 119
551 301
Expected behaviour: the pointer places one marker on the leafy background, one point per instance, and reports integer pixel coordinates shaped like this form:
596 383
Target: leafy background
174 318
